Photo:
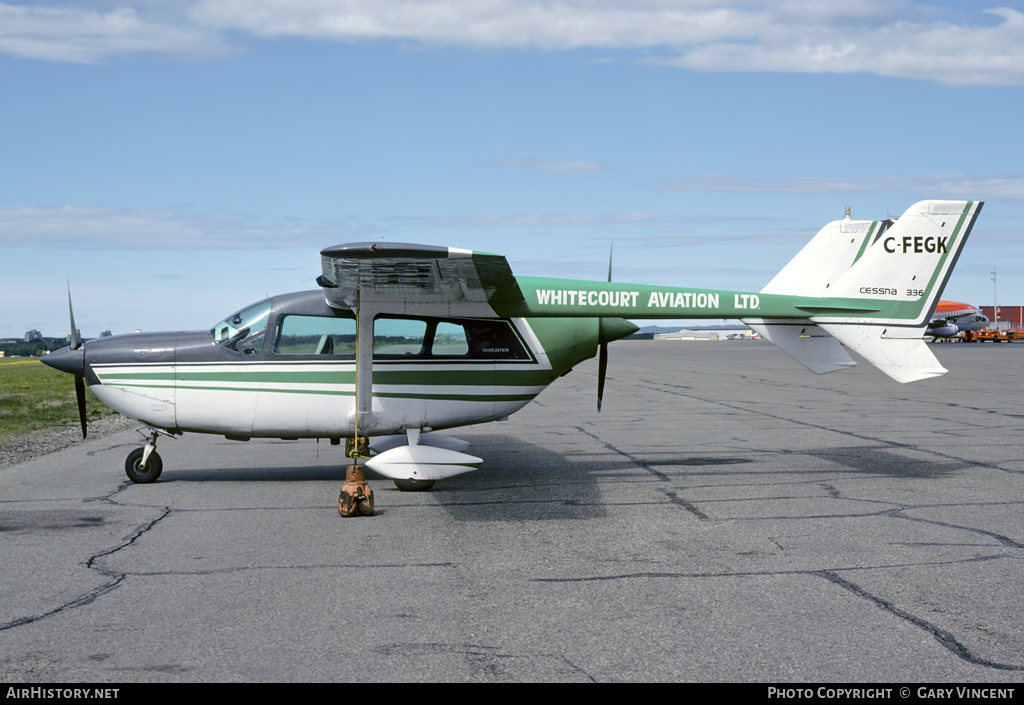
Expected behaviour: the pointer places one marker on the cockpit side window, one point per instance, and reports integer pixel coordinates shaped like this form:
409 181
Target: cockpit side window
316 335
244 331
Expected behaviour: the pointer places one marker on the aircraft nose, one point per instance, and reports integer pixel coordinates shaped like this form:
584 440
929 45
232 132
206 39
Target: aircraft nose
67 360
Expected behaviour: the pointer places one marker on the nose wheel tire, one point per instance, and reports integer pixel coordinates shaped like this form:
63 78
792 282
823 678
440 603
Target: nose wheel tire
414 485
136 473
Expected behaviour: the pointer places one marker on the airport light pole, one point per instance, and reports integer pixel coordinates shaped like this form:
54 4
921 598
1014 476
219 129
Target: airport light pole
995 301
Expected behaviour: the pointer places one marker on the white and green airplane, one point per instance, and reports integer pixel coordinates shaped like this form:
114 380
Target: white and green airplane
402 340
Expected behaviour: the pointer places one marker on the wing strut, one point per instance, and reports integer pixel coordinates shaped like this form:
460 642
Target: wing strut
356 497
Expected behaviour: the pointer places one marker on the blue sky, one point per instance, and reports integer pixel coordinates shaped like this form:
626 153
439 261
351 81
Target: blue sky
177 161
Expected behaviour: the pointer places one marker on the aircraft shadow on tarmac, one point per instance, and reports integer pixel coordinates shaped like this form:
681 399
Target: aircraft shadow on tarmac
876 461
521 481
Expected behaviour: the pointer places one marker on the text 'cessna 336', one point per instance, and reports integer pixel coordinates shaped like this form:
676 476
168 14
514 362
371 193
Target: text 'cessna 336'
402 340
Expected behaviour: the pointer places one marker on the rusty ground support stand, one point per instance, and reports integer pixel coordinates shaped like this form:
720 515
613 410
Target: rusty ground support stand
356 496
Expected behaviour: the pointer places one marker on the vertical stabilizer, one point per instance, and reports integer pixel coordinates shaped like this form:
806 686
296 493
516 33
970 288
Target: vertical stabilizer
907 269
826 258
814 270
877 289
904 275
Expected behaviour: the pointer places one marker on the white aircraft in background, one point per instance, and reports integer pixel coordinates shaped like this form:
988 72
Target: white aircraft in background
953 317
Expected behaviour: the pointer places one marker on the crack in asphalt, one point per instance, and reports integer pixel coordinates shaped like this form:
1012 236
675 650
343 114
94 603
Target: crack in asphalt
483 658
670 494
1004 540
896 512
944 637
116 577
661 387
941 635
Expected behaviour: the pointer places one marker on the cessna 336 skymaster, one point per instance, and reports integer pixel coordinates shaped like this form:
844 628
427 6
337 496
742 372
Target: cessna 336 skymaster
402 340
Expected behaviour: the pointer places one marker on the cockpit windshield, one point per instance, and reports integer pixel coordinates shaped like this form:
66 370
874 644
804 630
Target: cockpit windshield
244 331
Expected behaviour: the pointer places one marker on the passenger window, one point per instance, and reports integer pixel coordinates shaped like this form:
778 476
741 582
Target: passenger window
398 338
316 335
430 338
449 339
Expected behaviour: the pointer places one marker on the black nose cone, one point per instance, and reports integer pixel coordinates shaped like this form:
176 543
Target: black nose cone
67 360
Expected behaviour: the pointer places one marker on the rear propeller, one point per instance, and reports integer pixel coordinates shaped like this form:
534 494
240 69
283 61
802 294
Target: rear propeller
602 357
79 378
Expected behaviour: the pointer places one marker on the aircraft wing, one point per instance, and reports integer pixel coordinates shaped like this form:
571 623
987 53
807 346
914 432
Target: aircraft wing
397 273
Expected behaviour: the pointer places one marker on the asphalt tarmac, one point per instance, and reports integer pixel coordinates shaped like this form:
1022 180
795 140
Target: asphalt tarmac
728 517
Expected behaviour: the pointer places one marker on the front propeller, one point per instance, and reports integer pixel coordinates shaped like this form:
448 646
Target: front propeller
80 393
79 376
72 360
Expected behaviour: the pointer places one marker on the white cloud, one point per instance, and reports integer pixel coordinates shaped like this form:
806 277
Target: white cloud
88 36
1002 187
109 228
845 36
886 37
552 166
939 52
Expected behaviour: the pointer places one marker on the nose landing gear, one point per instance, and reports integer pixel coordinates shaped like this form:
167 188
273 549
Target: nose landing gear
143 465
143 471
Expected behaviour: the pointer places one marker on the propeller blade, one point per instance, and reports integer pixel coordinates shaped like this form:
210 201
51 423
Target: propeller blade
80 393
602 360
74 331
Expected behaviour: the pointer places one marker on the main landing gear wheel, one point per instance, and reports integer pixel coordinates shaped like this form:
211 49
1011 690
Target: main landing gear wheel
414 485
143 475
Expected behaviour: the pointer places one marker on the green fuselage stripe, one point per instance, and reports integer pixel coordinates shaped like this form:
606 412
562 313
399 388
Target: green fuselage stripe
909 310
427 378
867 241
483 397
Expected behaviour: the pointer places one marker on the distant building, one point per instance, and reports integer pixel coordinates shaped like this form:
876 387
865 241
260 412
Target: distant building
1008 316
686 335
32 336
710 334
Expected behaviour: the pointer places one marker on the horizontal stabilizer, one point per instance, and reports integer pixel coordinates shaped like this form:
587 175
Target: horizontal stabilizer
905 359
806 343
